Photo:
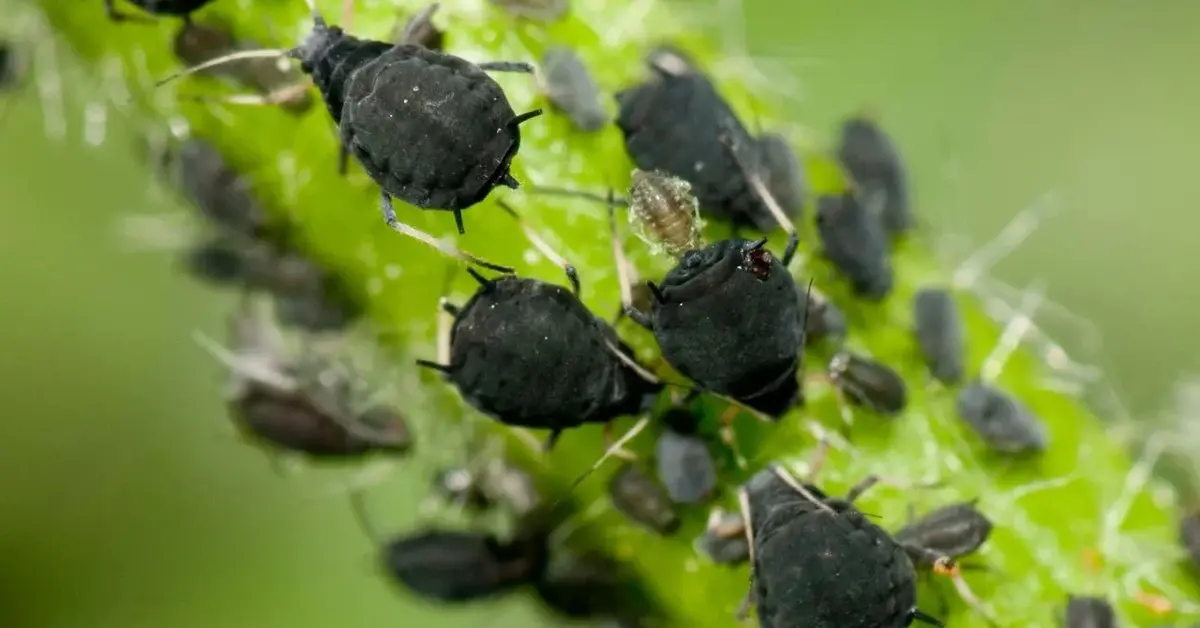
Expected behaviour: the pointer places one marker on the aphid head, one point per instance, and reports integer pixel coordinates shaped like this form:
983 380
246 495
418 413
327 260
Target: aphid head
726 269
317 44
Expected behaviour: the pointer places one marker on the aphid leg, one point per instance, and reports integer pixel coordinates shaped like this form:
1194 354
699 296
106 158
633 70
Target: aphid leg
946 567
728 436
419 21
389 216
445 321
343 158
622 262
506 66
749 600
507 180
543 247
819 456
614 446
617 448
787 478
768 199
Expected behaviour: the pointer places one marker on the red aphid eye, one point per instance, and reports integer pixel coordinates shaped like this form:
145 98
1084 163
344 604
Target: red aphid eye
760 263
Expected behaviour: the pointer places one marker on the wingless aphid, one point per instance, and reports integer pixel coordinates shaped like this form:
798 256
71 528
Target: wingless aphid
220 193
868 383
1089 612
940 335
381 96
854 241
685 465
590 586
874 164
173 8
937 540
643 500
1001 420
817 562
530 354
724 539
570 88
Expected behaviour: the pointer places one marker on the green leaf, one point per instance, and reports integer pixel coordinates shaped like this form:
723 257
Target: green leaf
1083 495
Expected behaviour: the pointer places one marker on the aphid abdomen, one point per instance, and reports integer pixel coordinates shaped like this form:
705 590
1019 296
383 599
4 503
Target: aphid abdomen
855 242
452 566
431 129
685 467
1001 420
291 421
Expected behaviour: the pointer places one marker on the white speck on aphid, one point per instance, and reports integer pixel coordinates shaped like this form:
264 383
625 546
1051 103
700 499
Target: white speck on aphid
416 88
392 271
374 286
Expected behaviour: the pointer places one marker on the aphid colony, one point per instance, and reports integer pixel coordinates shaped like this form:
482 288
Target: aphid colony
729 316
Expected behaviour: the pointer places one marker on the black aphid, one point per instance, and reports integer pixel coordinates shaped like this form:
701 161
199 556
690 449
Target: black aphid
275 403
824 319
724 539
817 562
854 241
685 465
643 500
221 194
591 586
497 482
530 354
867 383
940 334
1003 422
783 173
570 88
460 566
937 540
421 31
274 79
541 10
382 97
1189 536
878 172
174 8
678 123
1089 612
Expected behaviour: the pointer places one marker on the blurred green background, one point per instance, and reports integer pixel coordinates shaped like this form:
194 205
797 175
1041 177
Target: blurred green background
124 501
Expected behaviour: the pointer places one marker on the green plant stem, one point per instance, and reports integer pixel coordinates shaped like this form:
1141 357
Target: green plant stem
1048 512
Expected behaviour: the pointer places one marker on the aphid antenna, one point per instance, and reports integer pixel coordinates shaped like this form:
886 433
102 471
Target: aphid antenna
389 216
1010 237
764 195
1014 333
615 449
265 53
795 484
244 367
543 247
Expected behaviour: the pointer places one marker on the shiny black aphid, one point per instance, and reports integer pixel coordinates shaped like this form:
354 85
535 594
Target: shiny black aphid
675 123
196 43
874 164
222 195
570 88
868 383
173 8
643 500
854 241
685 466
823 564
541 10
459 566
1189 536
823 318
724 539
1003 422
783 173
1089 612
940 335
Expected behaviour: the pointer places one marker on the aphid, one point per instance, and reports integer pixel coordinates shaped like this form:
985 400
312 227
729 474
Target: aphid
460 566
1089 612
671 59
222 195
421 31
196 43
530 354
679 124
174 8
783 173
817 562
541 10
498 482
1189 536
570 87
273 403
854 241
724 539
1003 422
664 213
640 498
727 317
878 172
937 540
823 318
685 466
591 586
940 334
382 97
868 383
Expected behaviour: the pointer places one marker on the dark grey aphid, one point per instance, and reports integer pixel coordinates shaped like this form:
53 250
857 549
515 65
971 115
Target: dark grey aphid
948 533
680 124
824 319
874 164
640 498
1089 612
823 564
685 465
724 539
220 193
498 482
196 43
541 10
1003 422
938 327
868 383
569 86
454 566
591 586
783 173
173 8
853 240
1189 536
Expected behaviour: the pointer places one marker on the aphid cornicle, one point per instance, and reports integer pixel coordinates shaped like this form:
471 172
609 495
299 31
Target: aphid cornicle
1003 422
530 354
865 382
937 540
724 539
173 8
569 86
643 500
196 43
940 335
817 562
874 164
1089 612
460 566
854 241
685 465
1189 536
